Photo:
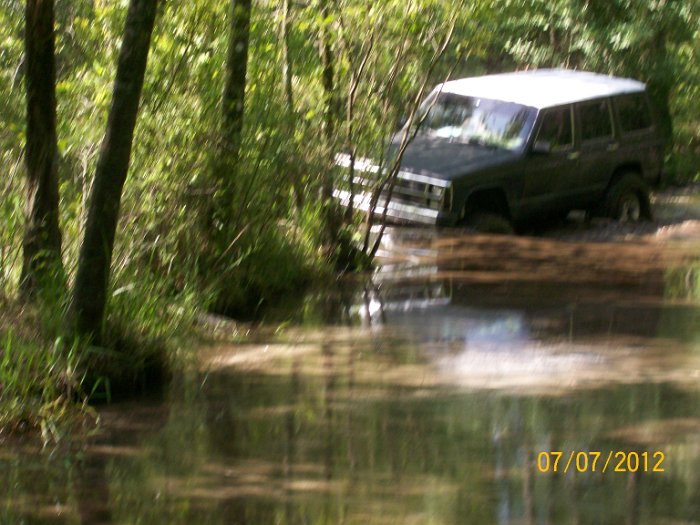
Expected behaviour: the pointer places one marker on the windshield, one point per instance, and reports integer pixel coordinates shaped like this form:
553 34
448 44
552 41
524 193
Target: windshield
477 120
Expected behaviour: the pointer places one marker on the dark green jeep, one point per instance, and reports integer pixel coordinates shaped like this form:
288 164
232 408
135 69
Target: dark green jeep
497 150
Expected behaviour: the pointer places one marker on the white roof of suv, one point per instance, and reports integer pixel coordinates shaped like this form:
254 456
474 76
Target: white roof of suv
542 88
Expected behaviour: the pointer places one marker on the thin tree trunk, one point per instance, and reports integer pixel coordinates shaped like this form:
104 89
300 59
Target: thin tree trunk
287 63
42 236
328 76
287 75
235 79
406 138
355 78
92 280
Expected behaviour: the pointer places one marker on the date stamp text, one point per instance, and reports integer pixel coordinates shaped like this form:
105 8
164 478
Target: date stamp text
596 461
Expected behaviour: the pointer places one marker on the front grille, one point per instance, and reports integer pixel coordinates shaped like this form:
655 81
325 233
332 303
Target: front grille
409 188
414 196
405 190
418 193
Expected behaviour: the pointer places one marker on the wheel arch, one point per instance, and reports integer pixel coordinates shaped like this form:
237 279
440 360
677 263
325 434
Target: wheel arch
628 168
490 200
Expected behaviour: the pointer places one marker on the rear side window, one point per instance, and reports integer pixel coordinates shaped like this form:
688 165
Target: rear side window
556 128
595 120
633 111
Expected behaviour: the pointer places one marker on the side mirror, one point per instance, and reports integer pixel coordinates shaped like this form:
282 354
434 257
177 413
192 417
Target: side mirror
542 147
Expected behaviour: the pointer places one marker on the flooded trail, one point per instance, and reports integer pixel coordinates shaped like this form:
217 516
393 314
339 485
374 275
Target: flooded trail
434 391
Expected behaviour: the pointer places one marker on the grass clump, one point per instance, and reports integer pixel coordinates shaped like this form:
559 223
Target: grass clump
271 266
40 378
49 382
141 347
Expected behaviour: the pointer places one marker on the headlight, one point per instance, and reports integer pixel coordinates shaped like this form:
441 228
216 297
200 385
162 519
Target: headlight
435 190
447 199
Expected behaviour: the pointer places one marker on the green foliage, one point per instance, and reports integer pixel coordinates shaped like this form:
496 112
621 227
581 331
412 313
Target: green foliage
685 101
10 235
11 144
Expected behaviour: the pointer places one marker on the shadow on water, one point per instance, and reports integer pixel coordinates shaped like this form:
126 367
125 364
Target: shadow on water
424 394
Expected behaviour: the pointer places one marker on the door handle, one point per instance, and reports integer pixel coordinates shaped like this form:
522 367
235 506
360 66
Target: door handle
613 146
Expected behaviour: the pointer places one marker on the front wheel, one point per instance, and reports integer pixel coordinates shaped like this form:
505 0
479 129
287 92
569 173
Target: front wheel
485 222
628 200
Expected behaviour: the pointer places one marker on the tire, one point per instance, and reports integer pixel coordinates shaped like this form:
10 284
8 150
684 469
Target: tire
627 200
485 222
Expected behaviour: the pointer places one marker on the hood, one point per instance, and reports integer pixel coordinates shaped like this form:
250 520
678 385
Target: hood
447 159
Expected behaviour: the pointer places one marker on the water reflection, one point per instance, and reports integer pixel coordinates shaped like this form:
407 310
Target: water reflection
683 282
423 395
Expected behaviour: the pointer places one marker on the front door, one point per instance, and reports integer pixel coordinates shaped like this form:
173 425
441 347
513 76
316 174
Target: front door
550 177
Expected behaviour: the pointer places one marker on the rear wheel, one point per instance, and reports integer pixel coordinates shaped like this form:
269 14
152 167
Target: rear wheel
628 200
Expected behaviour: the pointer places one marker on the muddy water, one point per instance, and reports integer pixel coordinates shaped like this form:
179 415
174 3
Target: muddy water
422 395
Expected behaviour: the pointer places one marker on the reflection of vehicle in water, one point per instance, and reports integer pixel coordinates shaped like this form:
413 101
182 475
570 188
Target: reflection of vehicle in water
425 312
507 314
441 288
495 150
515 336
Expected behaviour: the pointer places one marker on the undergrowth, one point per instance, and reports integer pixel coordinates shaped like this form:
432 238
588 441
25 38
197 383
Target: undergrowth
49 382
40 379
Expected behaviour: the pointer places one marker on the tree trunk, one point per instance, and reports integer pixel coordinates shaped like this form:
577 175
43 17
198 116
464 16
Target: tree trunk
330 114
327 76
235 79
223 217
42 237
92 280
660 87
226 164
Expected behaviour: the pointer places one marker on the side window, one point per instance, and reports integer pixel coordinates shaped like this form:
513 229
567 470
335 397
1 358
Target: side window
633 111
556 128
595 120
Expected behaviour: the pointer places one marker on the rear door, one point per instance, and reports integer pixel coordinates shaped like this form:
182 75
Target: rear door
640 141
599 149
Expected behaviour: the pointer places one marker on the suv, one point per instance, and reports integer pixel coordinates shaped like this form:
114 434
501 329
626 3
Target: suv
493 151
